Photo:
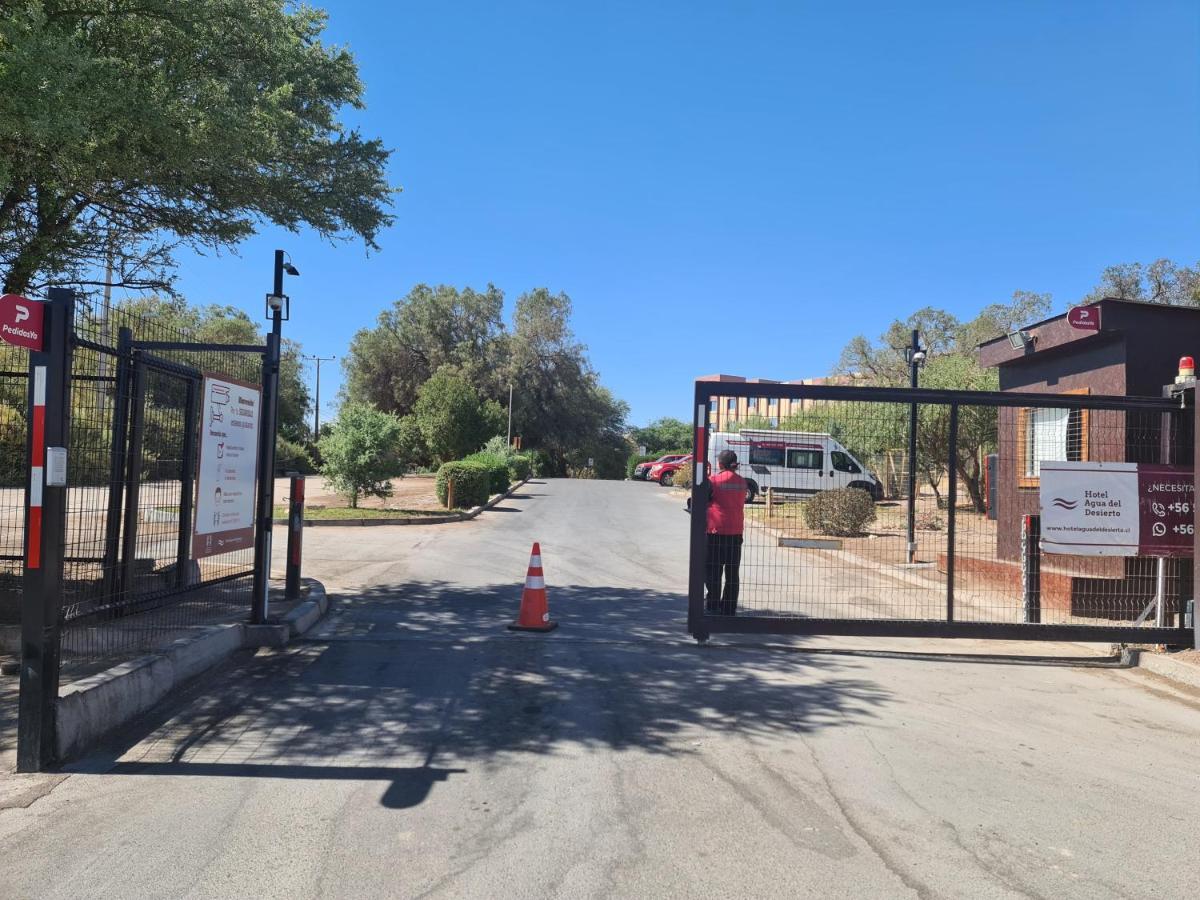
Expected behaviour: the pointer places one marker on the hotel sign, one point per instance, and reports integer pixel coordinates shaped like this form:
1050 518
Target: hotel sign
1117 509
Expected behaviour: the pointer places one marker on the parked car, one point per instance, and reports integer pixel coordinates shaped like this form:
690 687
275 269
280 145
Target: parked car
642 469
664 472
793 462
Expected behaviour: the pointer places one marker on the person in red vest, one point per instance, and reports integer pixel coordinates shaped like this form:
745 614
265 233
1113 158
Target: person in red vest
726 516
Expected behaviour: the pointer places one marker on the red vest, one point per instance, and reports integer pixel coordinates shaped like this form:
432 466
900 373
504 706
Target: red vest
727 503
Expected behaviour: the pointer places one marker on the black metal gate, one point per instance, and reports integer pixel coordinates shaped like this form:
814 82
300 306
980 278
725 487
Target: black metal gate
105 568
835 543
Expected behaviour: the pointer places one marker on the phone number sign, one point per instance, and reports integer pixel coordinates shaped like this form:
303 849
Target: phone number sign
1117 509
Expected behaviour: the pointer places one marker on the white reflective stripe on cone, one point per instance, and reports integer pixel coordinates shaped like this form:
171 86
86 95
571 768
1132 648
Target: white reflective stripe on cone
535 562
535 581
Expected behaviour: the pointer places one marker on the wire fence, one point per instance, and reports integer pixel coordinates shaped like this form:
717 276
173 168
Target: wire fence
130 584
827 536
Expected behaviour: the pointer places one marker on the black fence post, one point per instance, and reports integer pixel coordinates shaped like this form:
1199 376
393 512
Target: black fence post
1031 567
266 483
116 472
295 536
133 480
45 537
699 511
952 494
187 487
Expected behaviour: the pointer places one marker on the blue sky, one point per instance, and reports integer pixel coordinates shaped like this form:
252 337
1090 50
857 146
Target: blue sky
743 187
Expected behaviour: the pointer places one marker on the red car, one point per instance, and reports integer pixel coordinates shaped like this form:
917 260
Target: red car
641 470
664 472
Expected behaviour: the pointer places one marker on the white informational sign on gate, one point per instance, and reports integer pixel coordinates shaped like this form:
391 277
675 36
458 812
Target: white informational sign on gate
1090 508
228 468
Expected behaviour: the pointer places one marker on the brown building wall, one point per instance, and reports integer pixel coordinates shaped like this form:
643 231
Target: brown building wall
1100 369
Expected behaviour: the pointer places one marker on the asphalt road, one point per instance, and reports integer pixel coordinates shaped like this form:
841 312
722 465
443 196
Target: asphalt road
412 747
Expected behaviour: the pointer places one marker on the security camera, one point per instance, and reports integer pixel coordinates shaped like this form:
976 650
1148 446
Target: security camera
919 356
275 302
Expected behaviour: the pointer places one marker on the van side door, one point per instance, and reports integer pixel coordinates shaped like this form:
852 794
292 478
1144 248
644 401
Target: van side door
766 465
805 466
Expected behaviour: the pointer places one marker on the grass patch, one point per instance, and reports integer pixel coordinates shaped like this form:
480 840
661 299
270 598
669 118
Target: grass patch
345 512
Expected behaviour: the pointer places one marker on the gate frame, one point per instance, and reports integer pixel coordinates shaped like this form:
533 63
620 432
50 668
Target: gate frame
44 539
701 625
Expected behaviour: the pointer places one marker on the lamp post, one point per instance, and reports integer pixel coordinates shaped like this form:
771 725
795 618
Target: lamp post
510 389
317 407
278 309
914 354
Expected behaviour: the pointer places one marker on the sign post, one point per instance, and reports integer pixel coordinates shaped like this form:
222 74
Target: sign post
45 518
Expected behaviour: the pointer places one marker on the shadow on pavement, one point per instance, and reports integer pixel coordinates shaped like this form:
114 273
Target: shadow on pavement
402 676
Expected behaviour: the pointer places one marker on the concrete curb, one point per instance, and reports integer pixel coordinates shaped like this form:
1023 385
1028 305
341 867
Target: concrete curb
1162 664
410 520
92 707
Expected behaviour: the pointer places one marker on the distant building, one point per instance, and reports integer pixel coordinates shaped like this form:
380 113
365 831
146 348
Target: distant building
726 411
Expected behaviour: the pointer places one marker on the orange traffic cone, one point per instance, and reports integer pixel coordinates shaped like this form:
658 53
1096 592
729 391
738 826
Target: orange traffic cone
535 613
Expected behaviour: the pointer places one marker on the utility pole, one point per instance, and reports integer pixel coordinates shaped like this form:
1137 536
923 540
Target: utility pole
317 408
916 357
510 389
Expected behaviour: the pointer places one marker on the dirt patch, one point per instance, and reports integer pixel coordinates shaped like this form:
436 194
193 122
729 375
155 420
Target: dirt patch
412 492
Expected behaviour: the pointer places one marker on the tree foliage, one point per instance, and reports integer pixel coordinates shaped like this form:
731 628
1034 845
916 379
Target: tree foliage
1162 281
128 129
559 406
453 420
359 452
663 435
427 329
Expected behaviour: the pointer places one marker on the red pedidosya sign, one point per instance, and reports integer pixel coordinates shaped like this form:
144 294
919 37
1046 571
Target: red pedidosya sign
1085 318
21 322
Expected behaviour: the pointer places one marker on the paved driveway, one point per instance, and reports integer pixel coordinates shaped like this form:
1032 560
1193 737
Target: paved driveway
412 747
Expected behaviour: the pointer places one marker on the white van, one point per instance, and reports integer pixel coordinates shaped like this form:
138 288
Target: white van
793 462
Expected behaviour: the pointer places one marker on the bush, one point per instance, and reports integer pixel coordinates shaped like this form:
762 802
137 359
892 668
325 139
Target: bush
520 467
360 452
292 456
471 481
683 476
497 468
543 464
14 470
636 459
843 511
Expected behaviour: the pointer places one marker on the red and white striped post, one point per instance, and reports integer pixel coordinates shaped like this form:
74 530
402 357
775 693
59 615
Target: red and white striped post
45 536
37 469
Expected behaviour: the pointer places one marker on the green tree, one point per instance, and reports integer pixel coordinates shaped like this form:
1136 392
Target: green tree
425 330
452 418
1162 281
359 451
128 129
559 405
663 434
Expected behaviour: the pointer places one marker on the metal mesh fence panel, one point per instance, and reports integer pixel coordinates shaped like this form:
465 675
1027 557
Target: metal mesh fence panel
130 582
829 537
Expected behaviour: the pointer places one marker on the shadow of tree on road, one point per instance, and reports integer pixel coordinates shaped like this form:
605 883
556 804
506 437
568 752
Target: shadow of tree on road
400 678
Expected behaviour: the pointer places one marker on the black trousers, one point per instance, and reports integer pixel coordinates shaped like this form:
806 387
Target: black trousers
724 557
